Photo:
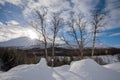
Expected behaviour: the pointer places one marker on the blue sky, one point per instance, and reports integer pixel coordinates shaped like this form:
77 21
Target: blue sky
110 38
14 12
9 12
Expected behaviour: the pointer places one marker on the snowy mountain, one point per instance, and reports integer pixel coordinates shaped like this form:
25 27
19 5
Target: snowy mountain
25 42
20 42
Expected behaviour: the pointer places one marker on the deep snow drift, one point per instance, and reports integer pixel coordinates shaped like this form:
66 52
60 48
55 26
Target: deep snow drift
114 66
39 71
90 70
79 70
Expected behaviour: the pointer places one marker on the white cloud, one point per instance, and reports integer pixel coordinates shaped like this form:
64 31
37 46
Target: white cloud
15 2
61 5
12 30
85 6
52 5
1 2
12 22
113 6
114 34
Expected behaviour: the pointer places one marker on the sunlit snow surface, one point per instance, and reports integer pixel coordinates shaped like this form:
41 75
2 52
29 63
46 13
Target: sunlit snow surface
86 69
114 66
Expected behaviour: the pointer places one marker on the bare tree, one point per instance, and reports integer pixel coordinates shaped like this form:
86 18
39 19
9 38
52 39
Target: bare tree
97 24
78 33
83 35
67 42
41 28
56 24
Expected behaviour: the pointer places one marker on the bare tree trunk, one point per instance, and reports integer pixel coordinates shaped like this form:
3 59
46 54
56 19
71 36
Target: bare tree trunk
81 42
41 28
74 34
46 52
97 23
94 40
80 30
55 29
81 49
53 52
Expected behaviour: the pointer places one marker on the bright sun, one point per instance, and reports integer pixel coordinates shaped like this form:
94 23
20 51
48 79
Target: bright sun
31 34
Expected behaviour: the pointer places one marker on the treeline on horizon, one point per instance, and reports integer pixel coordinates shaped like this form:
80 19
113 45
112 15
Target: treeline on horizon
59 51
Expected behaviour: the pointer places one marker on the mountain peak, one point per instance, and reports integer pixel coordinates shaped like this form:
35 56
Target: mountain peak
19 42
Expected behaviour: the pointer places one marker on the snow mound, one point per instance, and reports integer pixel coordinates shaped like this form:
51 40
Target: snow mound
83 64
90 70
114 66
39 71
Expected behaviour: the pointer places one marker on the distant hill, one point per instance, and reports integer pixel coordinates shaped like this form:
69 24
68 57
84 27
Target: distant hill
25 42
20 42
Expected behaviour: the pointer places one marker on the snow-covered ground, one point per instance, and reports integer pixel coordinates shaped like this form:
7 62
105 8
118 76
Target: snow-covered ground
109 58
86 69
114 66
